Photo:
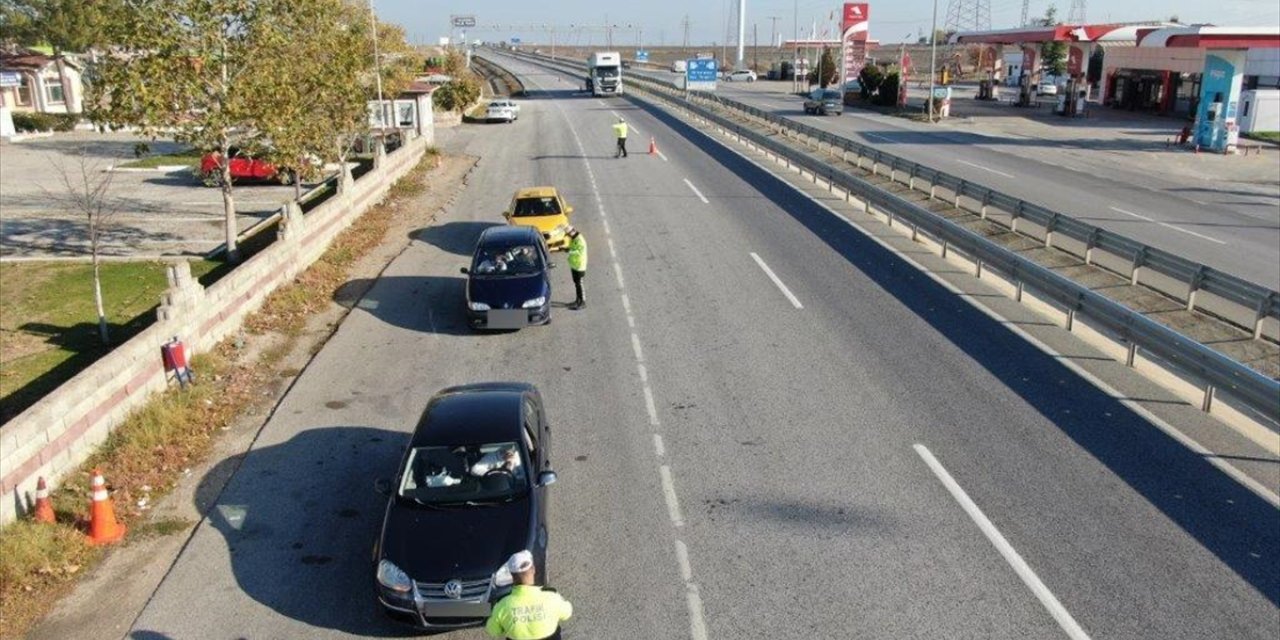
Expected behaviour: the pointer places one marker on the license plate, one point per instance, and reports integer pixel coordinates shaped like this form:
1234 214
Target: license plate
508 318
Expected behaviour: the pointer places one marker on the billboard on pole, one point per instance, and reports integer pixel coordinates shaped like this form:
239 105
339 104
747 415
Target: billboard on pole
854 27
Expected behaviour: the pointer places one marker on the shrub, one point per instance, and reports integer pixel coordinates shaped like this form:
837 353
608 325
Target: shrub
870 77
31 121
887 96
456 95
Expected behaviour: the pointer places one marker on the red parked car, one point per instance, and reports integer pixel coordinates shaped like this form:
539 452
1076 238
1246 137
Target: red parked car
244 167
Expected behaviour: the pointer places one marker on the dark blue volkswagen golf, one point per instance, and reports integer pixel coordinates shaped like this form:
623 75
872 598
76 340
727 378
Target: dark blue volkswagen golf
508 285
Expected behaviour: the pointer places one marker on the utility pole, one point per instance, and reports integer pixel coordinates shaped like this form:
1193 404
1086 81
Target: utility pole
755 46
773 31
742 31
933 58
377 66
795 42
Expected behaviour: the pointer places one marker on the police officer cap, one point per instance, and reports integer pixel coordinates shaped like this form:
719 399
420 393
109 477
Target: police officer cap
520 562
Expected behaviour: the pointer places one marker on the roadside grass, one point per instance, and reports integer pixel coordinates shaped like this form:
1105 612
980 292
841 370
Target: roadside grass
157 445
49 329
187 157
1266 136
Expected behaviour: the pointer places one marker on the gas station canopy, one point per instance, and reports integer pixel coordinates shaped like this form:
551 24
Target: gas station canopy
1102 33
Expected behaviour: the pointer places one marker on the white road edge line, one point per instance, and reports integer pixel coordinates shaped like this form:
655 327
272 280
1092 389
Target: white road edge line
660 449
635 346
662 155
772 276
650 406
1002 545
978 166
1168 225
1239 476
696 192
669 491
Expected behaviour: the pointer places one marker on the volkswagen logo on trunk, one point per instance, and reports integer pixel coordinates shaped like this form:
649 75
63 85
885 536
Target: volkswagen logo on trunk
453 589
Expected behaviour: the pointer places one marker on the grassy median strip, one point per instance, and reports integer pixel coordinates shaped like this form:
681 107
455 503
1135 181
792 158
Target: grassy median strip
144 458
189 157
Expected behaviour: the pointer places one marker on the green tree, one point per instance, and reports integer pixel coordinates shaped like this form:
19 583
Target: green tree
65 25
888 92
827 68
871 77
1053 55
203 71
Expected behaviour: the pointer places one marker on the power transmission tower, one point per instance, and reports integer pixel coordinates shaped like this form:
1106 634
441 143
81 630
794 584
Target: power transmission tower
1026 8
1076 14
685 24
773 31
968 15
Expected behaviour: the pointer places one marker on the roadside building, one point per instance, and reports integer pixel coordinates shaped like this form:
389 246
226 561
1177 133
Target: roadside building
40 82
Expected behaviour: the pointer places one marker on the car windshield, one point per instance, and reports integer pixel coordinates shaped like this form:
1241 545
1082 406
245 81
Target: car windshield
606 72
519 260
830 95
540 206
465 474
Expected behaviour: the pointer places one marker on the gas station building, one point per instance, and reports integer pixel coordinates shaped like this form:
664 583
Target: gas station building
1222 76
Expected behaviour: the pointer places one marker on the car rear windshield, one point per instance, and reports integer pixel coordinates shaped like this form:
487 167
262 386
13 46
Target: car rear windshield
830 95
542 206
519 260
474 473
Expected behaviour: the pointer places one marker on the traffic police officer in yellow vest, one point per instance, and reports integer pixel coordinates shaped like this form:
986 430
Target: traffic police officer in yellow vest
620 131
577 265
529 612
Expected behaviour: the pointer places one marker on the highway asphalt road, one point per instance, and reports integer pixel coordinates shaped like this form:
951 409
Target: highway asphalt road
1221 225
766 426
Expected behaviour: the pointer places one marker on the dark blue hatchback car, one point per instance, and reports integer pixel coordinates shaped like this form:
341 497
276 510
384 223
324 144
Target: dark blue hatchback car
508 285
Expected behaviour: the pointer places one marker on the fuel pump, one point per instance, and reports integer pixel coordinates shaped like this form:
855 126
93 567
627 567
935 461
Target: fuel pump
1026 92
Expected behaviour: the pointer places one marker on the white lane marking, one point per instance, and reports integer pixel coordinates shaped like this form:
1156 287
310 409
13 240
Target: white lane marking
1006 550
1167 225
682 557
650 406
696 192
626 304
613 253
660 449
644 373
669 491
635 346
617 272
607 231
697 628
772 276
1130 213
662 155
978 166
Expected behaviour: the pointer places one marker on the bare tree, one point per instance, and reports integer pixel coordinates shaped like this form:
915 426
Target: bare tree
86 191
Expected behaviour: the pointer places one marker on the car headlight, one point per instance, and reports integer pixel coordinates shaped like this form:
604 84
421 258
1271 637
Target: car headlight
478 306
535 303
560 229
391 577
502 577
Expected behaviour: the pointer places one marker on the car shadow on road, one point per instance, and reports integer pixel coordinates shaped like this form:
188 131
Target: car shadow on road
458 238
1223 516
429 304
300 519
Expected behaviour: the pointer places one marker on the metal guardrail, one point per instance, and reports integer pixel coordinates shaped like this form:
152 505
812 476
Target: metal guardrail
1217 371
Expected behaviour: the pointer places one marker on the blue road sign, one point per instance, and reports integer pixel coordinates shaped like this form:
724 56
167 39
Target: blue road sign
700 75
642 56
515 41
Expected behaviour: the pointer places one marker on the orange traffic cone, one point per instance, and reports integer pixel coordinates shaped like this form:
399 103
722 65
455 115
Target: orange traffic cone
103 527
44 508
653 146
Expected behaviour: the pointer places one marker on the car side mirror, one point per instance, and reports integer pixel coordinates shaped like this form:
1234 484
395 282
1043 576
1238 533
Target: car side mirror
464 271
568 210
546 478
383 486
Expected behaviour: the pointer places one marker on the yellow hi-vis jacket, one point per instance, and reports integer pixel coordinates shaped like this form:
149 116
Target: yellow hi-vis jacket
528 613
578 253
620 129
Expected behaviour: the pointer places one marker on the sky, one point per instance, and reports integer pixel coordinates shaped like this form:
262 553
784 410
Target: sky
660 21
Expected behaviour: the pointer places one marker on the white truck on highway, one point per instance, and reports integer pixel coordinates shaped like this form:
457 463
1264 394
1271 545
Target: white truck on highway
604 73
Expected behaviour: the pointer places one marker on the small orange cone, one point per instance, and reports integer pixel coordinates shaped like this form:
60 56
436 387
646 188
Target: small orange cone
653 146
103 527
44 508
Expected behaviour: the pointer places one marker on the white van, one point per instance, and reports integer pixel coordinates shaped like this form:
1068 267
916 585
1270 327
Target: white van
679 66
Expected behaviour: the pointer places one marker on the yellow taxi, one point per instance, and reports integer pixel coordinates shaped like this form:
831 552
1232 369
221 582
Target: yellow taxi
543 209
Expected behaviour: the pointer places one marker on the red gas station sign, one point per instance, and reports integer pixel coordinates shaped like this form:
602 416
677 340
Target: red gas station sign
1075 61
854 29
